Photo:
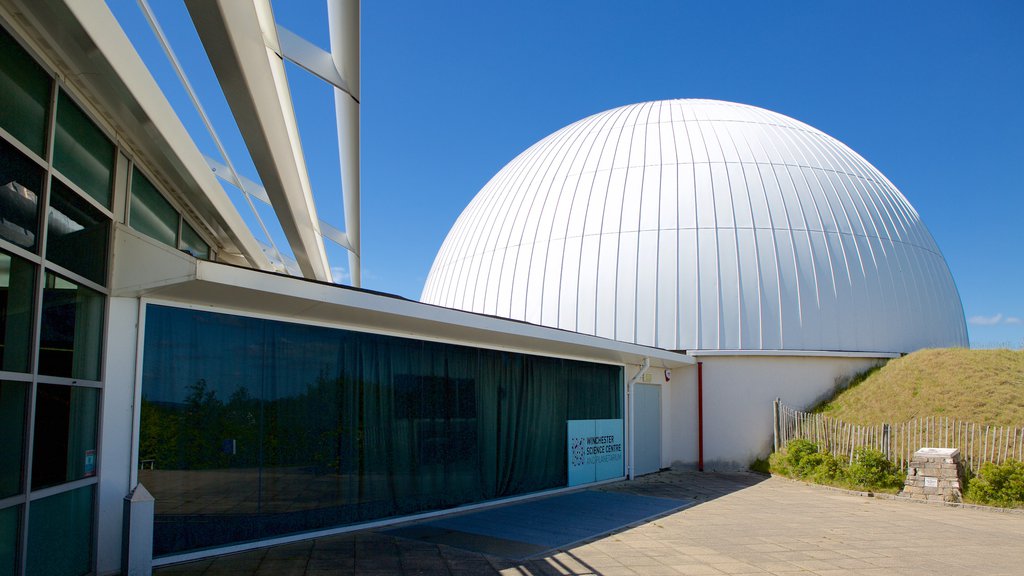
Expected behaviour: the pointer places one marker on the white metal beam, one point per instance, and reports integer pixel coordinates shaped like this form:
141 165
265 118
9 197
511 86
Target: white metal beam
84 42
256 190
343 18
312 58
240 39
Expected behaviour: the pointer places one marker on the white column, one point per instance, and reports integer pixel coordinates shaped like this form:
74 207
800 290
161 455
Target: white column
343 19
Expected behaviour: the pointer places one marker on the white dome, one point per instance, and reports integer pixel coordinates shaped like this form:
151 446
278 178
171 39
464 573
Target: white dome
701 225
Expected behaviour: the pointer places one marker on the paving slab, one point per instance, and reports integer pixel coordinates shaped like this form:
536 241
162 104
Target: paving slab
741 523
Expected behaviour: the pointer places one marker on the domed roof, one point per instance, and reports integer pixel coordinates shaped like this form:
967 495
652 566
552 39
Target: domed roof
701 225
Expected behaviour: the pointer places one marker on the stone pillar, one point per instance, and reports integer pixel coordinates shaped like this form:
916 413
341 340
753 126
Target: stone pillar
935 474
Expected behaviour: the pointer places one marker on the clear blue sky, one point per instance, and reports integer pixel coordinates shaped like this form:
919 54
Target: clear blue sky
929 92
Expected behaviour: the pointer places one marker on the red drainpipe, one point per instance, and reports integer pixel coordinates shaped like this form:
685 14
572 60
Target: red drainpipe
700 416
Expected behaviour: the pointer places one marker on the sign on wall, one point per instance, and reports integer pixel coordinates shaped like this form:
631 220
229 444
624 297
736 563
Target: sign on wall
595 450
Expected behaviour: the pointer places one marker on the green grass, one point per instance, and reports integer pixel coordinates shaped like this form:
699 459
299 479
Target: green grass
982 386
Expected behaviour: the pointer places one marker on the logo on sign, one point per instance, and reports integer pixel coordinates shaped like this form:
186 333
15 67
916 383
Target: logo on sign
579 451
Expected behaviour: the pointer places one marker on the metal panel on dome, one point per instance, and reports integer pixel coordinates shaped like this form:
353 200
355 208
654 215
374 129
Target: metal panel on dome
701 225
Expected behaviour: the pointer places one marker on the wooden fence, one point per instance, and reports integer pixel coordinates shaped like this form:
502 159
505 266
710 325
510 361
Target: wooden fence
977 443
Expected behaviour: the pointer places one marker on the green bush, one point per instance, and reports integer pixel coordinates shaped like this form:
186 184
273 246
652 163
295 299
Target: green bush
998 485
872 470
804 460
761 465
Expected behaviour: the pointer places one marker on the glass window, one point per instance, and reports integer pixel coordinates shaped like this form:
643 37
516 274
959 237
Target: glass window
10 519
151 213
300 427
72 330
17 291
64 446
12 437
77 234
192 243
25 97
81 152
20 181
60 533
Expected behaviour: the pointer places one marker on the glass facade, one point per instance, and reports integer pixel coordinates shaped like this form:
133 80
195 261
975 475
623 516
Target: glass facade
55 230
17 293
65 434
9 538
151 214
61 533
77 234
25 111
20 183
192 243
70 343
253 428
13 400
82 153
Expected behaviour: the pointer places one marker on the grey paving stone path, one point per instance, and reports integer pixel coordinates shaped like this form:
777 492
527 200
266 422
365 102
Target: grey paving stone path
742 524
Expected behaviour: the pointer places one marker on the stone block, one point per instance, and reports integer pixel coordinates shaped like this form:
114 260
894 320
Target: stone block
935 474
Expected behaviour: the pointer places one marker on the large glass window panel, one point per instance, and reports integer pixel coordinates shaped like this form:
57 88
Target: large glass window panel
151 213
82 152
64 445
25 98
60 533
20 182
297 427
10 520
71 340
77 234
12 436
17 292
192 243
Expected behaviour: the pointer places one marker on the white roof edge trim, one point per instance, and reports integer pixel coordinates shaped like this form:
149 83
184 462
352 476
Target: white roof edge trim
396 307
797 353
99 23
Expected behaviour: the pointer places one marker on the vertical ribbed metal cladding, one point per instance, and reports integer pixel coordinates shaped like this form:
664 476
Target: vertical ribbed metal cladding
701 225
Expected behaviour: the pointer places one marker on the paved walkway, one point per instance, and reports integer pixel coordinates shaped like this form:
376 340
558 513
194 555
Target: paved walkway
743 524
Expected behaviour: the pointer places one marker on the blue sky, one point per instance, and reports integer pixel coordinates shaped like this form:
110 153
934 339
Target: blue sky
928 92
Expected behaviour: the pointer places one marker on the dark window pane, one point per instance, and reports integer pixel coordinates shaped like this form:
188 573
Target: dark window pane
72 330
192 243
12 436
17 291
298 427
82 152
10 519
77 234
25 98
20 181
151 214
60 533
64 447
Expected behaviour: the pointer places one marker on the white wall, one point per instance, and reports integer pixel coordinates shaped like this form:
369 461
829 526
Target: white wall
738 394
679 418
116 429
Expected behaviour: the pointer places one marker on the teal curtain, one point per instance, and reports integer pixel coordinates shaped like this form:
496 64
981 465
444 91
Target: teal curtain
302 427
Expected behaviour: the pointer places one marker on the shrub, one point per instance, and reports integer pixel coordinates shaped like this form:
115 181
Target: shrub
761 465
803 459
872 470
998 484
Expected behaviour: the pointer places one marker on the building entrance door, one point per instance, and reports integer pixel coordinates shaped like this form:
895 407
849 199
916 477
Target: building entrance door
647 427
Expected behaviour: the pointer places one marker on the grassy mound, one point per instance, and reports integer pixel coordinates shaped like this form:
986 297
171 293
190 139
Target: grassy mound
983 386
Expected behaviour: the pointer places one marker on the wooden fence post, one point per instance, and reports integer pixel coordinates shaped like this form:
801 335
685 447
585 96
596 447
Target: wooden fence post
775 425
